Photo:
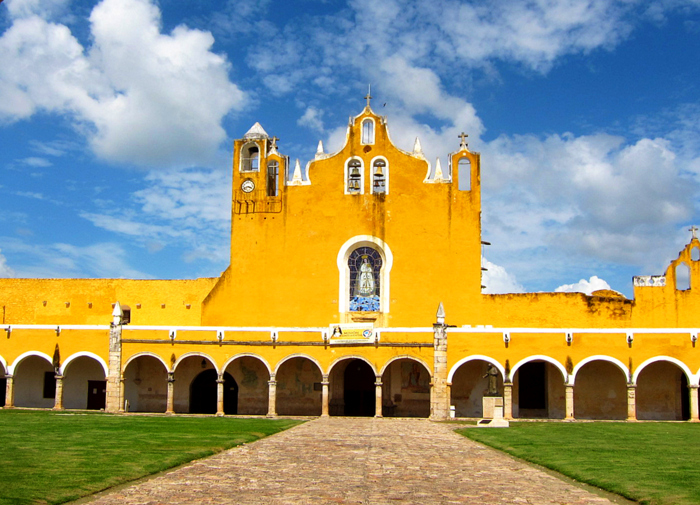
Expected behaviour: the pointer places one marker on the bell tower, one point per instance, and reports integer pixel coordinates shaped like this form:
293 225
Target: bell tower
258 173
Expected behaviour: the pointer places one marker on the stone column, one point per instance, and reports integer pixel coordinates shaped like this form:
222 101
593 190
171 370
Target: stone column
170 402
324 396
272 397
378 396
10 392
507 400
439 400
122 407
114 401
58 401
220 396
631 402
693 390
569 402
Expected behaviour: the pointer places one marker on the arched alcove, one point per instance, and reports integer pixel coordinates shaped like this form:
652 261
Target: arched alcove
299 387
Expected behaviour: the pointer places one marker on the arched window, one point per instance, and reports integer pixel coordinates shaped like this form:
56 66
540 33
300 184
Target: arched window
682 276
250 158
273 171
379 176
695 254
464 171
368 131
365 265
353 177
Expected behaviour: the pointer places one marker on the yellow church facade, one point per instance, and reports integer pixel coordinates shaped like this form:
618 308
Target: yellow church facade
354 288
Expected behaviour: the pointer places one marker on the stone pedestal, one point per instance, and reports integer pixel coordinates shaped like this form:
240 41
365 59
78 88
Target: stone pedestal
272 397
493 413
631 402
439 399
170 402
220 396
324 396
508 400
569 402
378 397
58 401
114 401
10 392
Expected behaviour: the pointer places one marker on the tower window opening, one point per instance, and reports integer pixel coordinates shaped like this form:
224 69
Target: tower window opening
273 171
354 177
250 158
464 177
682 277
379 175
368 131
695 254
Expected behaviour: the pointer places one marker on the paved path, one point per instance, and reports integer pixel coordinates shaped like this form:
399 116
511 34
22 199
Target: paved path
356 461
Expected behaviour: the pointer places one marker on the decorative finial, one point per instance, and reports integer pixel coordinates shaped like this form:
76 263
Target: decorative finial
369 94
438 177
417 148
694 230
319 149
440 316
296 176
463 136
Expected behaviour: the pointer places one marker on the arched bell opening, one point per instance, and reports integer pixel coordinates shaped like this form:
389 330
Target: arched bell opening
662 393
35 383
203 393
299 388
538 391
600 392
470 384
252 378
145 385
406 389
84 384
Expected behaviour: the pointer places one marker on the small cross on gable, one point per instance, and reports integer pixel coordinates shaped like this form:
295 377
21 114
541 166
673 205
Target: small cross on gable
694 230
463 136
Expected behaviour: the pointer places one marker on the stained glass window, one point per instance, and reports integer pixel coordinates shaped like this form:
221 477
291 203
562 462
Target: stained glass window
365 265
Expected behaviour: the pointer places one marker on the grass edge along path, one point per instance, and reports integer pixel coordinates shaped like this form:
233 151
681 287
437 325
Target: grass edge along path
55 457
651 463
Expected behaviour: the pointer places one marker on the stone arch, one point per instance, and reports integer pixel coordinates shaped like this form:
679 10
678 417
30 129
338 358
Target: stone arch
145 383
344 273
252 375
84 382
662 389
481 357
405 356
298 355
87 354
350 357
469 384
203 397
538 388
600 388
195 354
406 383
34 380
145 353
186 368
299 387
695 254
598 357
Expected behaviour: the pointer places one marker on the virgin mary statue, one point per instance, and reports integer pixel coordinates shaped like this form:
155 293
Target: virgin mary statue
365 280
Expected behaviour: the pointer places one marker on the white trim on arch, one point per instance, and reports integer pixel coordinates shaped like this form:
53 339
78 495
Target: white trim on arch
692 378
386 175
247 355
19 359
477 357
86 354
346 175
540 357
599 357
344 272
4 365
412 358
145 353
351 356
298 355
194 353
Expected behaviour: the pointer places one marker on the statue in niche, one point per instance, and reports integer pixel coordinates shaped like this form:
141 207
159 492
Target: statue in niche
365 280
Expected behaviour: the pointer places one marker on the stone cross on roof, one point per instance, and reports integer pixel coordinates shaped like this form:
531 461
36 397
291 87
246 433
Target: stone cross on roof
694 230
369 96
463 136
274 142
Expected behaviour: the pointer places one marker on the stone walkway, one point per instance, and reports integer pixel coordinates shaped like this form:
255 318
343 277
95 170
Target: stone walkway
356 461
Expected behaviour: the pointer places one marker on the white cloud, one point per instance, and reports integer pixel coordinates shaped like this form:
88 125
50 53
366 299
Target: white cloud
44 8
584 286
497 281
139 96
312 118
35 161
5 270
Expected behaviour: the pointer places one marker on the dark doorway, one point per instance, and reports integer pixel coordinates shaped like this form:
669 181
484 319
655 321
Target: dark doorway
360 396
685 398
3 388
532 390
97 395
203 393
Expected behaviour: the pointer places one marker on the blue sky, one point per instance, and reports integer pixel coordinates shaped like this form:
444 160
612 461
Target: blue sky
117 119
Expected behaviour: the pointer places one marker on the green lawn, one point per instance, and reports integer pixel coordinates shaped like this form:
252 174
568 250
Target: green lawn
54 457
653 463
